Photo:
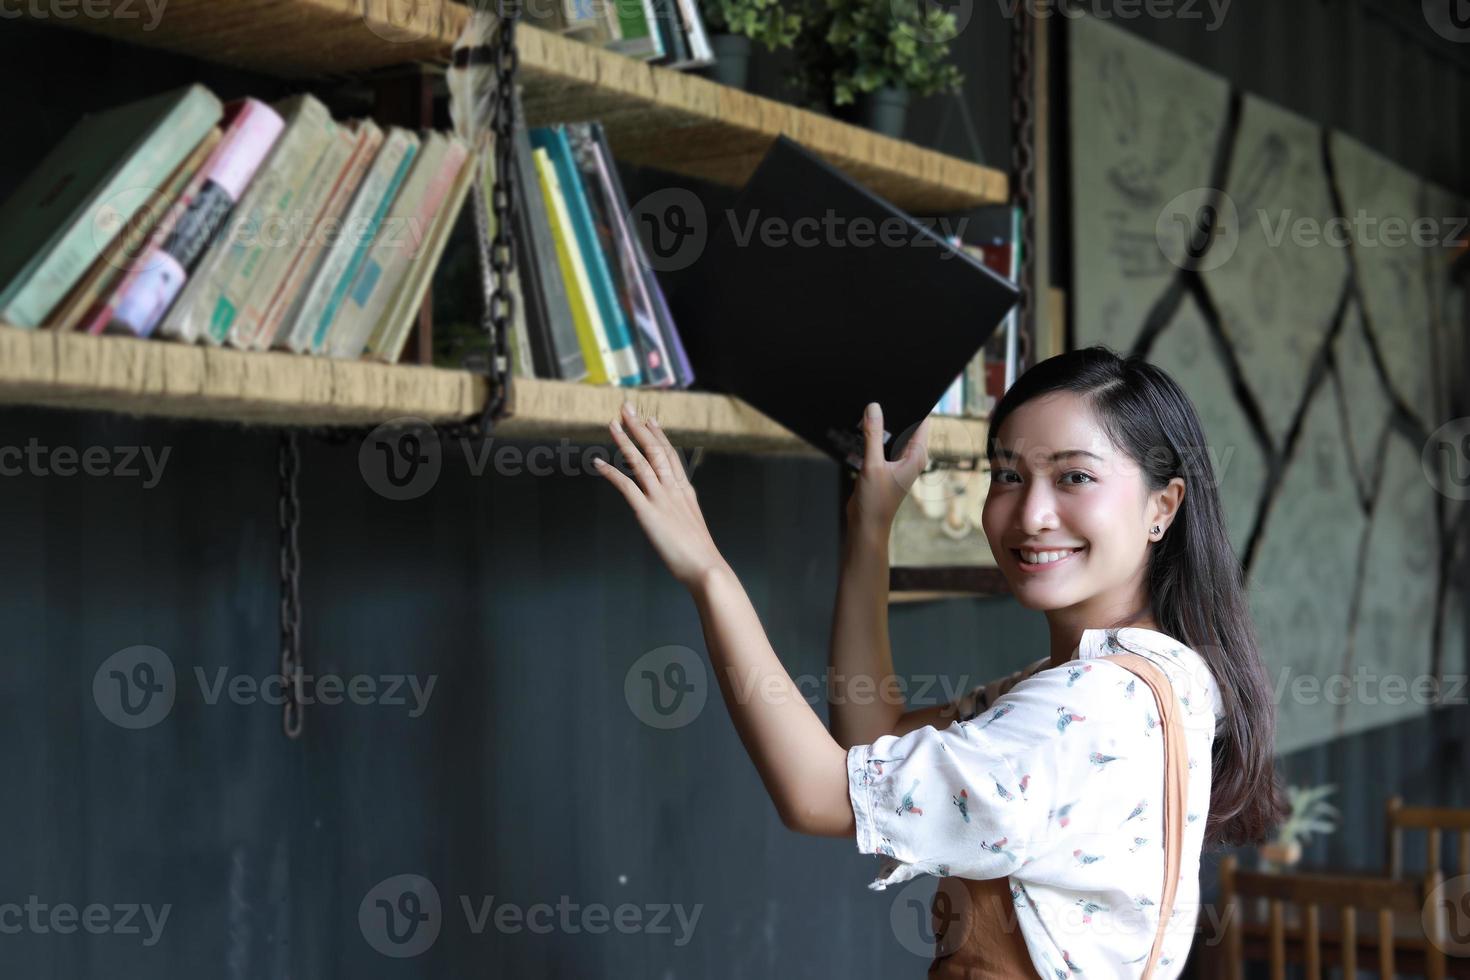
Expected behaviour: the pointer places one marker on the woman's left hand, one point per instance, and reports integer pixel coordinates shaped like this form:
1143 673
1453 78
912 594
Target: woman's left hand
662 497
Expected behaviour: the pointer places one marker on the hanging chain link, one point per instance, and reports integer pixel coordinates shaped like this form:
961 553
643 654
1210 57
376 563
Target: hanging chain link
497 252
288 514
1023 161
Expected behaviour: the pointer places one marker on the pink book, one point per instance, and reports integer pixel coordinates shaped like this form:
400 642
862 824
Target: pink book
156 277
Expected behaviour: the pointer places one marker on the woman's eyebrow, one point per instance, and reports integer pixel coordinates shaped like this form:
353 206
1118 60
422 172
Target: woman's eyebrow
1007 454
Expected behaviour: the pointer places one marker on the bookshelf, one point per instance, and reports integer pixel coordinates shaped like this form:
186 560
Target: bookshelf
160 378
681 123
667 119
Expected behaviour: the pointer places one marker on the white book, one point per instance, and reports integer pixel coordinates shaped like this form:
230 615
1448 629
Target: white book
397 322
364 141
291 240
328 287
399 239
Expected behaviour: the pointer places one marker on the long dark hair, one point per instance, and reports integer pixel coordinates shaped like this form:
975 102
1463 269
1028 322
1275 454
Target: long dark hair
1195 581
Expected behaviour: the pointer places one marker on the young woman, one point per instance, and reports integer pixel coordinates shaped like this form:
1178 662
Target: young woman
1072 815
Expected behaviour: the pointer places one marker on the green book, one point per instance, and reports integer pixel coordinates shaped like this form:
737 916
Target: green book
87 190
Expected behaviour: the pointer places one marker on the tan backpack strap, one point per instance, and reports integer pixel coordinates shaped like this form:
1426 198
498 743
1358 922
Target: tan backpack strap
1176 785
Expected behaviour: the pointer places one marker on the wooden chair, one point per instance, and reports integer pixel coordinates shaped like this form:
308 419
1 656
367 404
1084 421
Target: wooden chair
1294 926
1436 820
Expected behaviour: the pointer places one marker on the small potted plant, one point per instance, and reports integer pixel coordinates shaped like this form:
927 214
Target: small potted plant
1310 813
734 24
865 58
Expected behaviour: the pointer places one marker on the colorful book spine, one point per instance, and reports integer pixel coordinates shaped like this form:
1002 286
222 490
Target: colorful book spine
365 139
614 237
151 286
339 266
210 303
102 279
403 311
625 362
585 316
86 190
409 226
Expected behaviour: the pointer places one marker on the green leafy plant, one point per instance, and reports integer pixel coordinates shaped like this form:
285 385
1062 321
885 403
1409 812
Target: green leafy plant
850 47
1310 814
760 20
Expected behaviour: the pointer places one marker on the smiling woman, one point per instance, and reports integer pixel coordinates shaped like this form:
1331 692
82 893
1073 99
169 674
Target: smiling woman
1074 813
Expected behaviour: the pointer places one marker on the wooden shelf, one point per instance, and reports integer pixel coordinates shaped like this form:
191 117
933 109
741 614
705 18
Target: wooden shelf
160 378
657 117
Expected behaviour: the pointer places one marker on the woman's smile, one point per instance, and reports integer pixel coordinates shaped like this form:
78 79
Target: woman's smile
1045 565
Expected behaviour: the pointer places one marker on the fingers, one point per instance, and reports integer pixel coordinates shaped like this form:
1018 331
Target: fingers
873 436
622 481
647 478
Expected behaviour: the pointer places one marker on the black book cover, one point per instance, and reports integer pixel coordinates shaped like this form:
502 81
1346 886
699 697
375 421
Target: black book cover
812 296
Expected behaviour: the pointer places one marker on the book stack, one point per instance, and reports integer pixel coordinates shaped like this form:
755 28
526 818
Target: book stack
669 33
244 224
995 367
593 309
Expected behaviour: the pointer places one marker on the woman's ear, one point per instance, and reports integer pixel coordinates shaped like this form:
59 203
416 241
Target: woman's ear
1165 506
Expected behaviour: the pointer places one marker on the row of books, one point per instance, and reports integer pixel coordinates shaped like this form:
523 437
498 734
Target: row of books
592 307
670 33
995 366
244 224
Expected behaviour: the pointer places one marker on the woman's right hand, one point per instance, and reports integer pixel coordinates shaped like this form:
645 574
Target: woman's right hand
882 485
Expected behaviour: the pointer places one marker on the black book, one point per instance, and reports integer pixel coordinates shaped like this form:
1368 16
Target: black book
813 296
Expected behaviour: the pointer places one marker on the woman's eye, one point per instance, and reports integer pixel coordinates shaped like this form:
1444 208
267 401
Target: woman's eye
1086 476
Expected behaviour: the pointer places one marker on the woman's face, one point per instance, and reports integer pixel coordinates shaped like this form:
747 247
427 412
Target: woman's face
1089 501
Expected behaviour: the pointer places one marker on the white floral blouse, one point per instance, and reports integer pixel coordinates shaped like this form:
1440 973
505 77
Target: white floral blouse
1055 780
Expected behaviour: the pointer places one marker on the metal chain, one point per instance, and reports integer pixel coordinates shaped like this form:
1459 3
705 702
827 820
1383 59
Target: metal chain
288 515
497 254
1023 160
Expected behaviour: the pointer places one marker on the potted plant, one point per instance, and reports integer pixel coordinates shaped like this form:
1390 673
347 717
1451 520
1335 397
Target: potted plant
1310 813
865 58
734 24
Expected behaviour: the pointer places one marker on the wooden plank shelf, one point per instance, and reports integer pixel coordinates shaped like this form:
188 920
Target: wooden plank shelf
654 116
161 378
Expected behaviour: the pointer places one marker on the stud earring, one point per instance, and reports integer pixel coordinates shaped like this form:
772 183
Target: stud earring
1156 529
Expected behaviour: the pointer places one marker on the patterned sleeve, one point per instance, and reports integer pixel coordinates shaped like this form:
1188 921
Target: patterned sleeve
982 696
1027 782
